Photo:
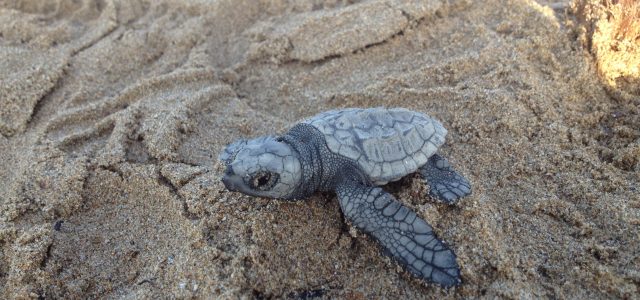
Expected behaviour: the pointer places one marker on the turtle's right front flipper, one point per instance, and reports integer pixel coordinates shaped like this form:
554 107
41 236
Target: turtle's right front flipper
404 235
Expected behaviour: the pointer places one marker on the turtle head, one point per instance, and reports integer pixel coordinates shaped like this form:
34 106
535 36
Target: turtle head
263 167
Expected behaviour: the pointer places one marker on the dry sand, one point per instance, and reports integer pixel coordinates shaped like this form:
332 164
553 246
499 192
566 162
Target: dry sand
112 114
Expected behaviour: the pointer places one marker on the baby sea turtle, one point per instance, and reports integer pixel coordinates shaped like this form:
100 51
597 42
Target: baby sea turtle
352 152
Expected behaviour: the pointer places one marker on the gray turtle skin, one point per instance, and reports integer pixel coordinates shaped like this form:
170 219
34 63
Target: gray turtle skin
351 152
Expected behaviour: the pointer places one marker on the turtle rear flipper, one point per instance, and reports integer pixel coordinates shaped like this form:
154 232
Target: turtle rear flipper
402 234
446 184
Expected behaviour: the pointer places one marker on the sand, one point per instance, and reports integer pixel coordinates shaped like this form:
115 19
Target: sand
112 114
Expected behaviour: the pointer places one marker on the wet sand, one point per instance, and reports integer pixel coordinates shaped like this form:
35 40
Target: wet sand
112 114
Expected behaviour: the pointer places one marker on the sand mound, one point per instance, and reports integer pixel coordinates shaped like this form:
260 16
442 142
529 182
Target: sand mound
28 75
112 114
611 31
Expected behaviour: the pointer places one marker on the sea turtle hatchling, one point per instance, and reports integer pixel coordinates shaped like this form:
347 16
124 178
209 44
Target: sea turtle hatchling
352 152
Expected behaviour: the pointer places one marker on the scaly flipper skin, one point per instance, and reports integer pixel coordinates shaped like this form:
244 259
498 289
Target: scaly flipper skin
403 235
446 184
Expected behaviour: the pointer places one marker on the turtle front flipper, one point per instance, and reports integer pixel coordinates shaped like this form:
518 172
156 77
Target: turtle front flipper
403 235
446 184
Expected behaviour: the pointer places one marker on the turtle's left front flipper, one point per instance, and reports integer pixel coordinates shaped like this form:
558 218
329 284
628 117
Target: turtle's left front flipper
404 235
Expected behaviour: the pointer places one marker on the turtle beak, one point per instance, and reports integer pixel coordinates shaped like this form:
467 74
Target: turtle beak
230 179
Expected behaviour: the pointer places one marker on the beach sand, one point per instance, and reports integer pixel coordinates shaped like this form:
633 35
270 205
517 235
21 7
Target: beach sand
112 114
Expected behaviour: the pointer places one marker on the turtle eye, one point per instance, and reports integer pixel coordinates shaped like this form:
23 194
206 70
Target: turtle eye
261 180
264 181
